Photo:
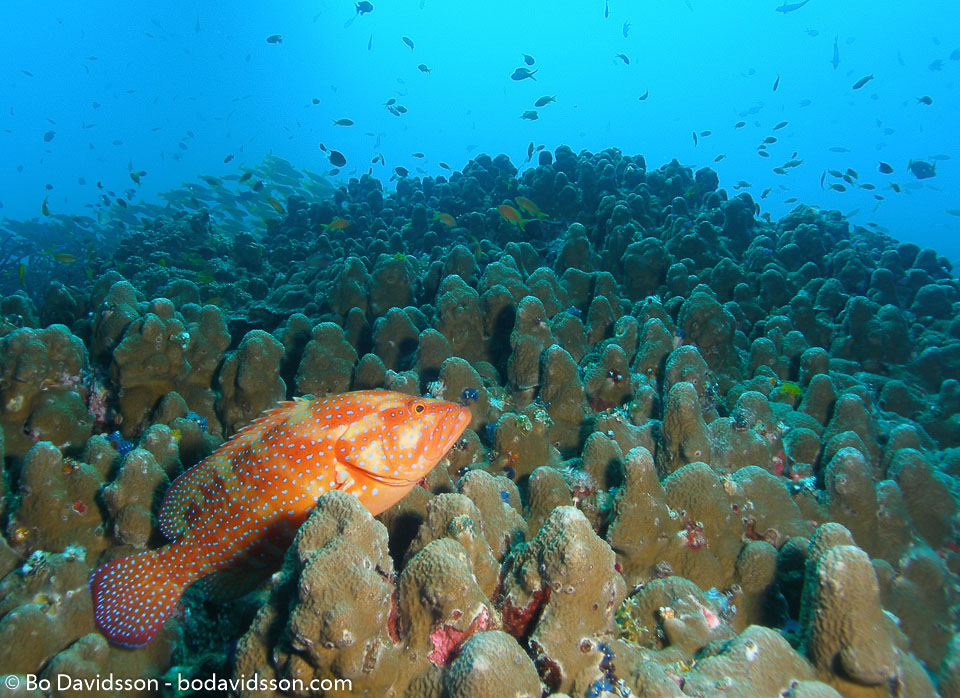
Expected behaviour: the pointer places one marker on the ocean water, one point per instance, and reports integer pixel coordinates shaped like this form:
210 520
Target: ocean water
176 89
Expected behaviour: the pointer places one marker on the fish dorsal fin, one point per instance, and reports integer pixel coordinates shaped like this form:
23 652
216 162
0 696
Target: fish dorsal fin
184 500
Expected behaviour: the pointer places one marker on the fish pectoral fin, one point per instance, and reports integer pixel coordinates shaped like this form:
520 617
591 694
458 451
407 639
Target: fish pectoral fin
343 478
183 500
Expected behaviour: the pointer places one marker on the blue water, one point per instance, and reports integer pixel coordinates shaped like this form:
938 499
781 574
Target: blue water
203 75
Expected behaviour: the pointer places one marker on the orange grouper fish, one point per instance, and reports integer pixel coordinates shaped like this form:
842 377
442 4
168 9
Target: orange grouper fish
231 516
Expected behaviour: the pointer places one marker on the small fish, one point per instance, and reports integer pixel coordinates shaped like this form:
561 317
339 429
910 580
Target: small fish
401 171
770 139
696 140
836 54
623 57
922 169
336 158
337 224
781 125
625 29
720 157
530 151
812 32
740 124
22 274
852 172
544 101
370 43
315 100
763 153
258 186
528 59
228 158
408 41
791 6
418 154
951 211
779 171
44 209
531 208
836 186
936 65
423 68
364 7
823 177
792 163
64 257
276 205
867 186
926 99
135 176
765 193
343 122
275 39
245 176
606 9
776 83
530 115
444 165
511 215
445 219
523 74
644 96
791 200
49 136
895 187
838 149
390 102
862 81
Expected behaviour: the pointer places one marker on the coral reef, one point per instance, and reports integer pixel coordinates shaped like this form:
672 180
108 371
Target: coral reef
709 453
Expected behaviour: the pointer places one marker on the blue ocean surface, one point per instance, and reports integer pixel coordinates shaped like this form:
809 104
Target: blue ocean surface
130 100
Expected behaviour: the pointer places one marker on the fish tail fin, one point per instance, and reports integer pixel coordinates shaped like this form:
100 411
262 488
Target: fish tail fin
133 596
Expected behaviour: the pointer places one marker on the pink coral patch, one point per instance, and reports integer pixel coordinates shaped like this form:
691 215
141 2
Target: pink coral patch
447 640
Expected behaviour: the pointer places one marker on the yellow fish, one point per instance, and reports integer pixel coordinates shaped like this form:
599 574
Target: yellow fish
511 215
277 206
530 207
445 218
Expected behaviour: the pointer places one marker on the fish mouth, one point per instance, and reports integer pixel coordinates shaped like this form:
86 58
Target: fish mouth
462 421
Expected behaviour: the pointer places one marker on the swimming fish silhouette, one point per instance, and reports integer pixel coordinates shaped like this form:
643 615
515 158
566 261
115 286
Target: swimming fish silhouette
232 516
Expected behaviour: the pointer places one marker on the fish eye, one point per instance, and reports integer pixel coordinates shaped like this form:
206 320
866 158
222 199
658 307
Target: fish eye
418 408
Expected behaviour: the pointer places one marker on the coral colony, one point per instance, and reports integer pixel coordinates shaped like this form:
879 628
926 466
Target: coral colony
681 449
